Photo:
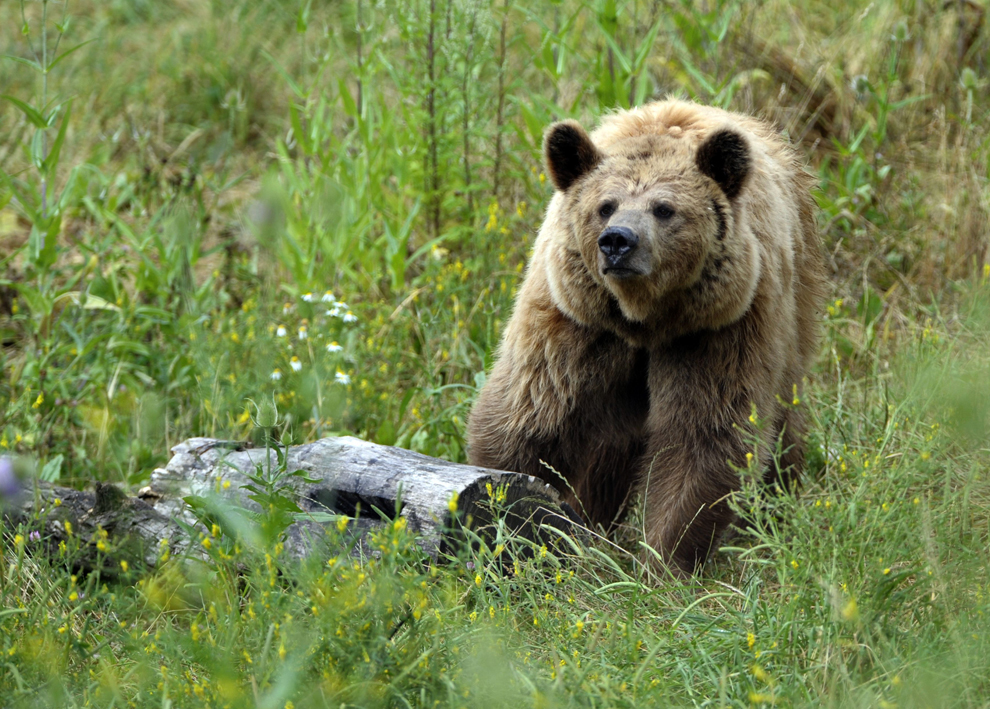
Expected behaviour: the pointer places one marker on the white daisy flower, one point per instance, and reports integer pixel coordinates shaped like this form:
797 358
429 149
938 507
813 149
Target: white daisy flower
295 364
349 317
334 311
343 378
303 332
307 297
328 297
281 331
276 375
334 347
286 308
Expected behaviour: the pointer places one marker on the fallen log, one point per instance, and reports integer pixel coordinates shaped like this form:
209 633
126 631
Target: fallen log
444 503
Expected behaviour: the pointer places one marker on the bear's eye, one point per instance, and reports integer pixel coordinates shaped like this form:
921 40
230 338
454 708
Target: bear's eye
663 211
606 210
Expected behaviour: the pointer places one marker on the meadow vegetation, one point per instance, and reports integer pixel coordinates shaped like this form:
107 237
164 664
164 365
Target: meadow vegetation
208 203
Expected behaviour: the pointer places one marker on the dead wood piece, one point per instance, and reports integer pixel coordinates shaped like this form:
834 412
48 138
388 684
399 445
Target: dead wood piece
371 483
131 529
365 480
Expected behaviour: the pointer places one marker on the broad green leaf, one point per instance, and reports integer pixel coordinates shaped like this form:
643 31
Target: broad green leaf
42 241
32 113
87 301
617 52
698 76
646 46
51 160
66 53
285 75
52 470
350 106
302 139
21 60
38 303
37 149
26 205
302 17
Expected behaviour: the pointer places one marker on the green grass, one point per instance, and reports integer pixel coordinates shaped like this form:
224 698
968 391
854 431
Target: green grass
221 161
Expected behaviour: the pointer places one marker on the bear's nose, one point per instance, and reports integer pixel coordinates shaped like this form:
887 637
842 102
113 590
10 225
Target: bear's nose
617 241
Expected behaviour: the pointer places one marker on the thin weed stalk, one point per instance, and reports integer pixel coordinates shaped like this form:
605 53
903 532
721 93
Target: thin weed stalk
433 167
466 101
500 110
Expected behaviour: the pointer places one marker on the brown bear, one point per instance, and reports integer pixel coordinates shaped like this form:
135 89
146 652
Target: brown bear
673 291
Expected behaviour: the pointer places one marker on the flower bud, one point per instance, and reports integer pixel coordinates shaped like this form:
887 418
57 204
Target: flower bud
265 413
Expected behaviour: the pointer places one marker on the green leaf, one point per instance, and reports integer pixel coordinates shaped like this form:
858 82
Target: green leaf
646 46
20 60
302 17
643 86
617 51
38 303
25 204
52 158
854 146
285 75
870 306
42 241
908 101
698 76
87 301
302 139
533 124
350 106
66 53
32 113
37 148
52 470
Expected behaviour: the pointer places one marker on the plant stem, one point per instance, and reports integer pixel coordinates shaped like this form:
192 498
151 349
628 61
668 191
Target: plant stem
44 104
360 62
433 177
500 112
466 123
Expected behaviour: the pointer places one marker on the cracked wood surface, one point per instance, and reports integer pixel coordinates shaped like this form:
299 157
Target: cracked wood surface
344 476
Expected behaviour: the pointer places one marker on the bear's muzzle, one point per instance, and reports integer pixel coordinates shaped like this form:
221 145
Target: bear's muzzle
617 244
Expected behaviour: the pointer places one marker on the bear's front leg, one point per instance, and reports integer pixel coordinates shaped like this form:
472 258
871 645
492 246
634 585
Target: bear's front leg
565 397
702 389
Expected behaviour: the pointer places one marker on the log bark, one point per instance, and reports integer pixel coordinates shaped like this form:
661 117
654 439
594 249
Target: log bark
369 483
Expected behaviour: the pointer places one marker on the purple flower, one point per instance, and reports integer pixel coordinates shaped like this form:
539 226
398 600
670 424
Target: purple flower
35 536
10 484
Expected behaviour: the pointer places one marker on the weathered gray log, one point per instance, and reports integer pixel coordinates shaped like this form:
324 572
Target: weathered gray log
343 476
365 481
135 532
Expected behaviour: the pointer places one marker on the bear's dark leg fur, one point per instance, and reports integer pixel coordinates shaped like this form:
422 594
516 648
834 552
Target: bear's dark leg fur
594 440
786 469
702 388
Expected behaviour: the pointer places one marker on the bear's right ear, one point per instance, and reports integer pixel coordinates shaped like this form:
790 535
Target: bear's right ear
724 157
568 153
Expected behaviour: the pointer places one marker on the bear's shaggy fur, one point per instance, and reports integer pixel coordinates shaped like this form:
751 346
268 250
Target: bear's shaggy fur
673 287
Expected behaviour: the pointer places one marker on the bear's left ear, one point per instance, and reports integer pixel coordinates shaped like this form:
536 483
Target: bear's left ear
724 157
568 153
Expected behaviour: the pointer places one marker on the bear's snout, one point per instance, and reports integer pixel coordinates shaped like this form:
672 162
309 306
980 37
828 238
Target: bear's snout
617 243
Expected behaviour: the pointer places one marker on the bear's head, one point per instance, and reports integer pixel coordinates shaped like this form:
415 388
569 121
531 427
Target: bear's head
655 220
